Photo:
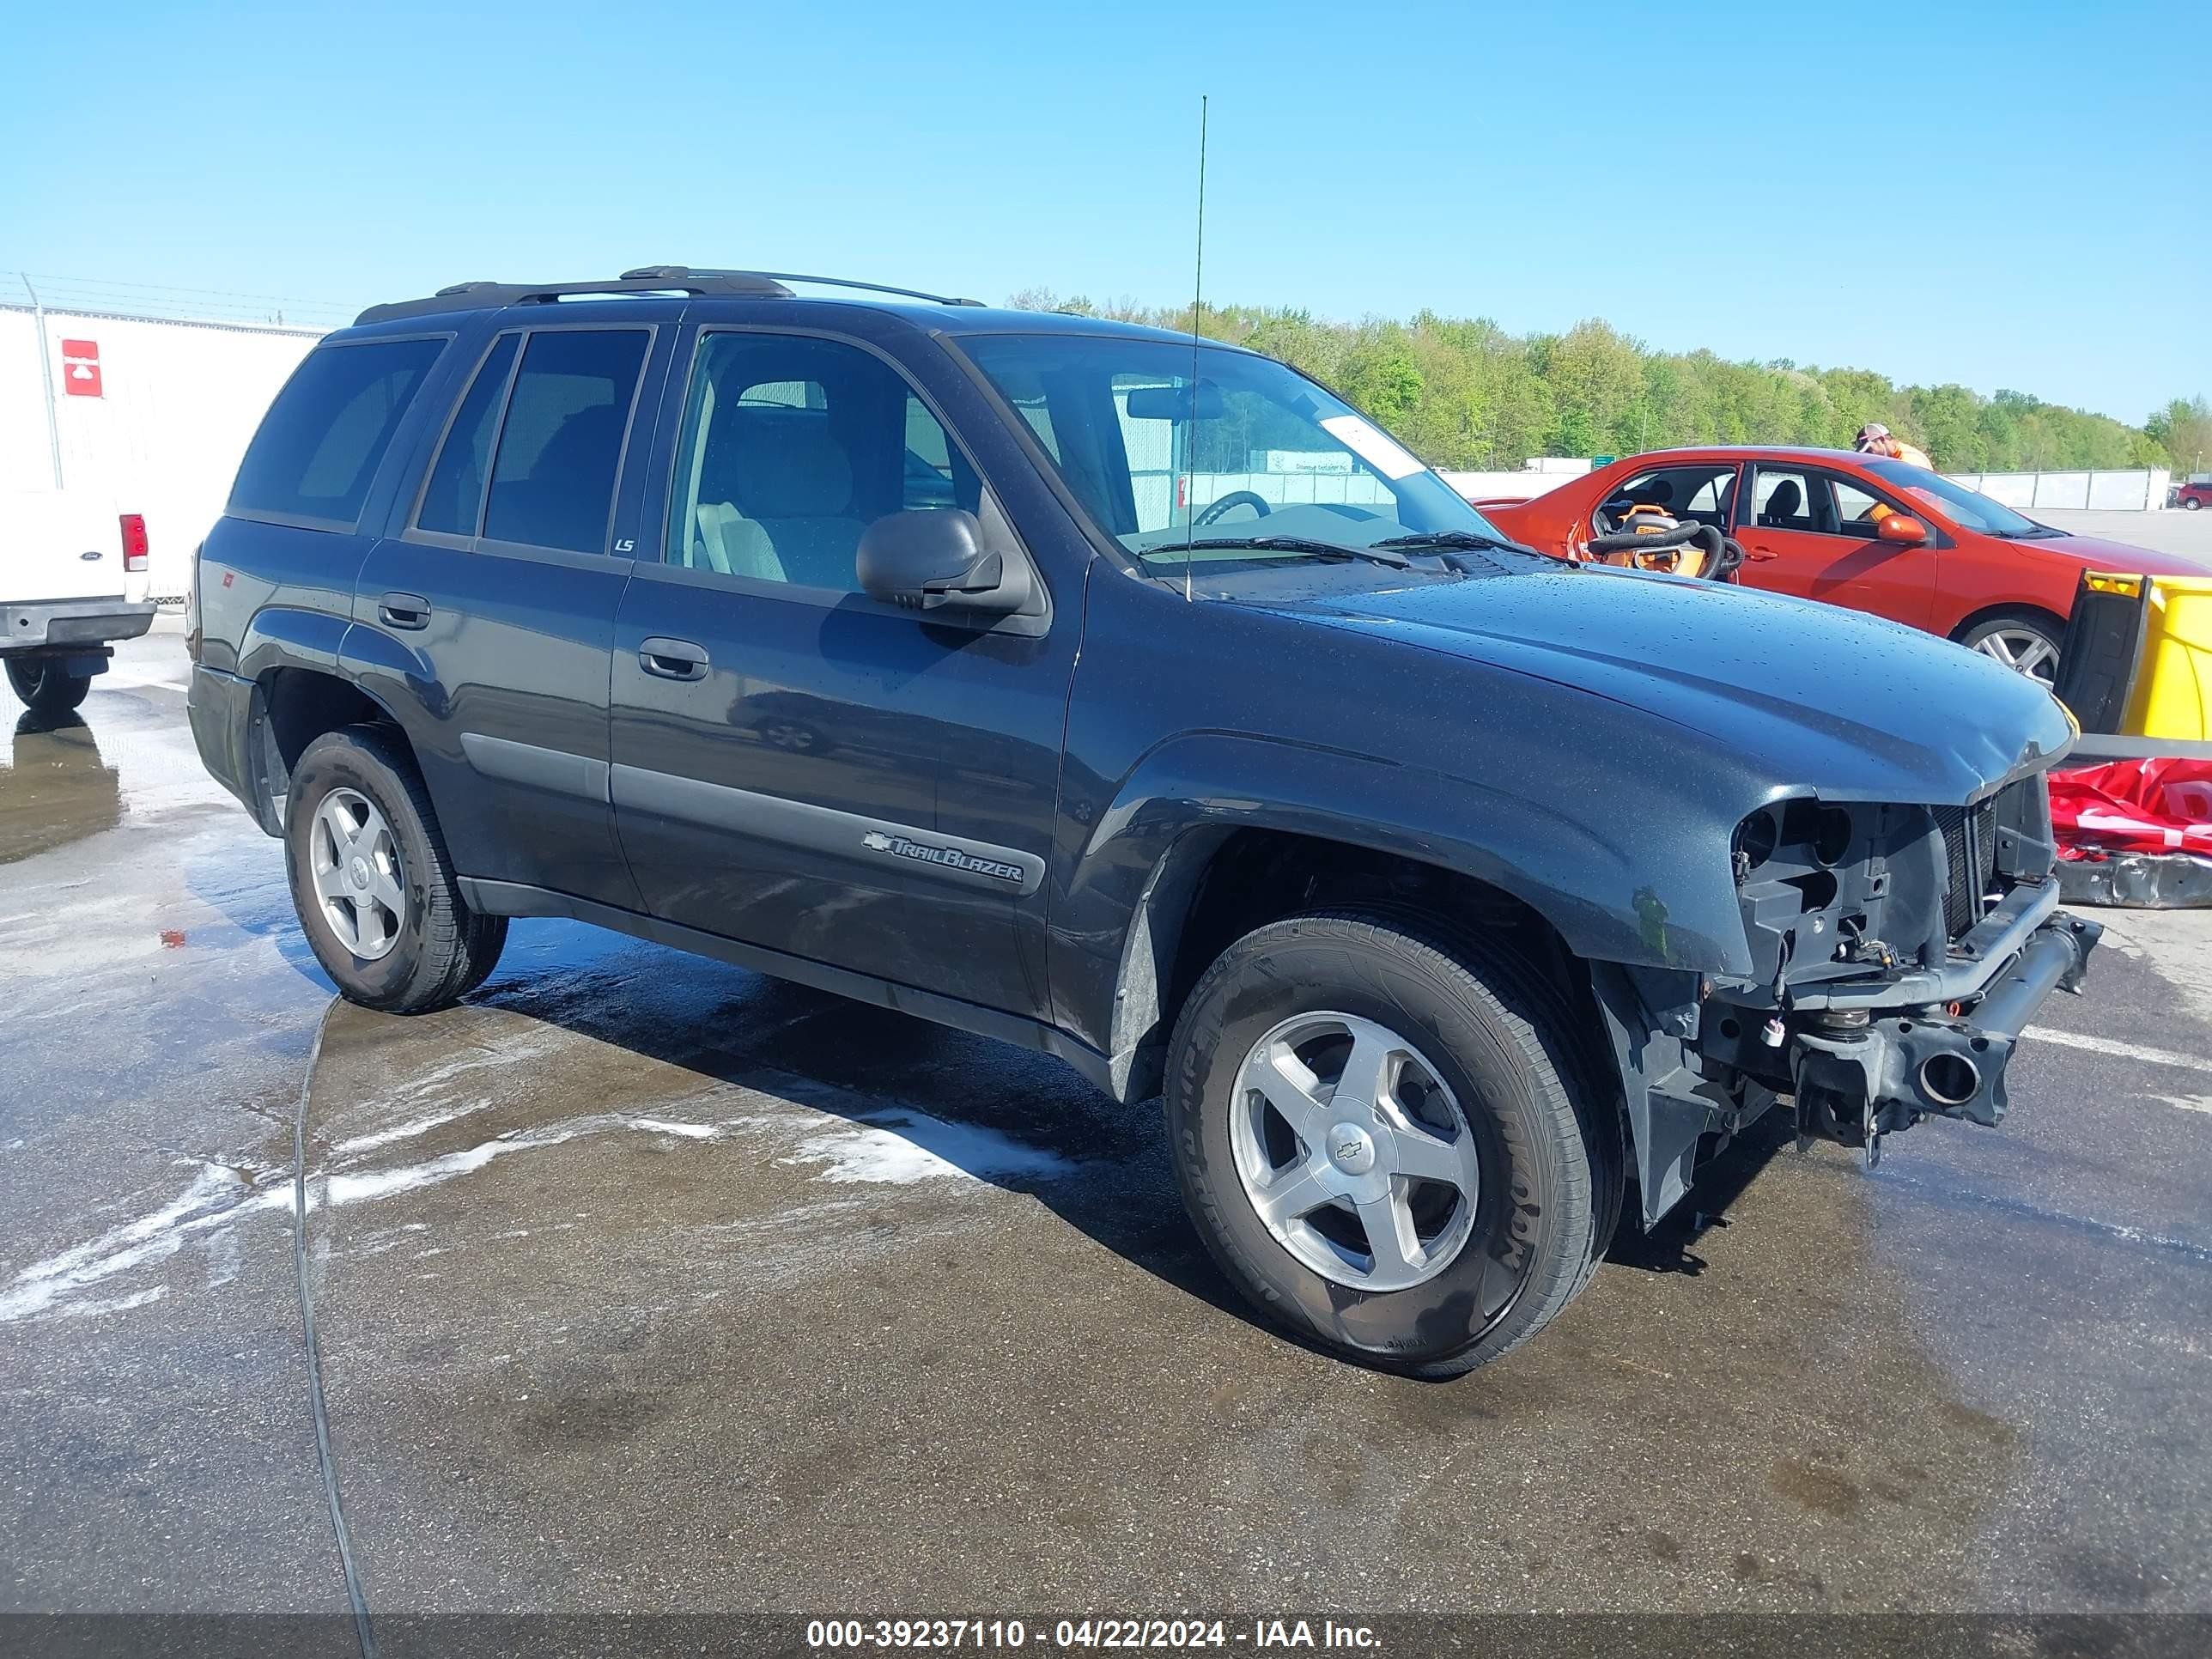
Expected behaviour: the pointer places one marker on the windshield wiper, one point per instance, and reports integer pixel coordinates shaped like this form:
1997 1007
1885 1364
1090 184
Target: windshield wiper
1287 545
1460 538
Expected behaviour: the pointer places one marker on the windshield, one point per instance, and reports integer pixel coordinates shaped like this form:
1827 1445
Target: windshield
1967 509
1271 457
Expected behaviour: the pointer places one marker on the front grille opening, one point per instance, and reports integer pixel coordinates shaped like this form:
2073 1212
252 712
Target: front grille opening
1970 850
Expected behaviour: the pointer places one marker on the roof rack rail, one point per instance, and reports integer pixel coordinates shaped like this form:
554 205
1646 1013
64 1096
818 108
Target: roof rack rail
650 279
646 271
645 279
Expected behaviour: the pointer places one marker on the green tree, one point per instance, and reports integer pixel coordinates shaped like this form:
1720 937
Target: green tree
1460 391
2183 431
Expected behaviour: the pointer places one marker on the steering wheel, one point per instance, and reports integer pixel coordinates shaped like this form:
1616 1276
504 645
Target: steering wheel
1214 509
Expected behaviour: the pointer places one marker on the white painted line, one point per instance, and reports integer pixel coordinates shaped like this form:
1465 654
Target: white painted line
2122 1050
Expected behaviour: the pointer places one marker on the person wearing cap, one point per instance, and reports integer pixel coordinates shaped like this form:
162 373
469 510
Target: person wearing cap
1875 439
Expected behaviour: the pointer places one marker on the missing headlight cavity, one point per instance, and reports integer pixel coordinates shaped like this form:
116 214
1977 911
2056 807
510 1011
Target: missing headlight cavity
1756 838
1816 889
1823 831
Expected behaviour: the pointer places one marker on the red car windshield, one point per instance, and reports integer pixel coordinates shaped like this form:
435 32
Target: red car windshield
1967 509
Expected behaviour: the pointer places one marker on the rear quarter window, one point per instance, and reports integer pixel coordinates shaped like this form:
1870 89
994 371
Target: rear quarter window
323 439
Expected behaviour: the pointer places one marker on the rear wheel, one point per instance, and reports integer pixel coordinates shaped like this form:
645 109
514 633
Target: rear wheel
371 879
1385 1142
2023 640
43 688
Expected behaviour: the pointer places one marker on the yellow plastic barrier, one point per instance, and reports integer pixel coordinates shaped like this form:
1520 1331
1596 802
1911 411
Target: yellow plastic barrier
2172 696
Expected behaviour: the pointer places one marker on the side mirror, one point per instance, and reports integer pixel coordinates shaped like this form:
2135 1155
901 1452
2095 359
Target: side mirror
1903 529
933 558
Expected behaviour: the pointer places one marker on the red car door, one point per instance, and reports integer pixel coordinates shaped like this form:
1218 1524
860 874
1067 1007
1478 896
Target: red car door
1809 532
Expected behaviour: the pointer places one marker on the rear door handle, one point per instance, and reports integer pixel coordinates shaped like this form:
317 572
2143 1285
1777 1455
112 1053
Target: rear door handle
409 610
673 660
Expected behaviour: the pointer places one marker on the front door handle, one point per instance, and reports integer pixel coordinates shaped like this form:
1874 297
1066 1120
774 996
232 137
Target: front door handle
1761 554
409 610
673 660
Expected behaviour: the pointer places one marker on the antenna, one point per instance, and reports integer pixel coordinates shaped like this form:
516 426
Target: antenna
1190 433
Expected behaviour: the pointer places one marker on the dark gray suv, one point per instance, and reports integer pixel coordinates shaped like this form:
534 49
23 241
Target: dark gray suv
1134 699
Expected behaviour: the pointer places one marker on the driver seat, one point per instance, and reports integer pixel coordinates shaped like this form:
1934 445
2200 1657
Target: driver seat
1782 506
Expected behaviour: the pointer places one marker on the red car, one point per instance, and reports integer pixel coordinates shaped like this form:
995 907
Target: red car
1862 530
2194 494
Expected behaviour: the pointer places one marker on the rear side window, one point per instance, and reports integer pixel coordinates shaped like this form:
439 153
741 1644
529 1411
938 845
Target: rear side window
455 495
560 445
320 445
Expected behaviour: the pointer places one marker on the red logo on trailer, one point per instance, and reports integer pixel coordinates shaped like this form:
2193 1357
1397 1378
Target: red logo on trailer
81 367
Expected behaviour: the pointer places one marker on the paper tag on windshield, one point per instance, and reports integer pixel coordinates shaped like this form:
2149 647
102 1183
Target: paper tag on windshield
1372 445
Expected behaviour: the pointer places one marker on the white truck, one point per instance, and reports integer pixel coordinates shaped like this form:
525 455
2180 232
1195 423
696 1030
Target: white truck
73 581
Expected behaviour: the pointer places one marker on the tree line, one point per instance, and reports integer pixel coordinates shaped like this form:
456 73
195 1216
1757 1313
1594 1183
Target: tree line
1462 393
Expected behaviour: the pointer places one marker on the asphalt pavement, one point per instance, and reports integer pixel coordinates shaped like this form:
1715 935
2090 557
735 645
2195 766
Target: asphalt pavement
645 1283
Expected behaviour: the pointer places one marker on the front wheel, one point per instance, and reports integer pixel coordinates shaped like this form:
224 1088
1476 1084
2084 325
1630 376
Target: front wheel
375 889
2192 504
43 686
2021 641
1388 1148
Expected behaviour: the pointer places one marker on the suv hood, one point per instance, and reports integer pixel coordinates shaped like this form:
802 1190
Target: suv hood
1818 698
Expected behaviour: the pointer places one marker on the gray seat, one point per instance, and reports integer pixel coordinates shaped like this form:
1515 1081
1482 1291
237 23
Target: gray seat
793 481
725 540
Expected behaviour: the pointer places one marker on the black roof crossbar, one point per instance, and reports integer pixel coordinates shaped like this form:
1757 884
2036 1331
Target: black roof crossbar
646 279
654 279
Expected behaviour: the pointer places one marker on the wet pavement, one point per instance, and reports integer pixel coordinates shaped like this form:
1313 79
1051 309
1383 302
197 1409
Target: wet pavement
646 1283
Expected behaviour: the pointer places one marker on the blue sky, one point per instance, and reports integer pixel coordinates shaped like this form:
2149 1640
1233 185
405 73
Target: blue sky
2000 195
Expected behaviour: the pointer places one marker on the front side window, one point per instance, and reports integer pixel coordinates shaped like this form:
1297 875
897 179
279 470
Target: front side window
790 448
319 446
1252 453
1859 510
560 440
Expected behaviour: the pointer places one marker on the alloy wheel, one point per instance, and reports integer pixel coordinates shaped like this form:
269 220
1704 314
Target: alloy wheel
355 859
2023 650
1354 1152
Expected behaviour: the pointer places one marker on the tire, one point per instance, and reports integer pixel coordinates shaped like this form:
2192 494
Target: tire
43 688
2192 504
438 949
1498 1040
2011 638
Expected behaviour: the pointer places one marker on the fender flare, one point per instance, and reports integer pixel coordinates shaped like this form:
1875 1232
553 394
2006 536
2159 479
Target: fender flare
280 639
1141 864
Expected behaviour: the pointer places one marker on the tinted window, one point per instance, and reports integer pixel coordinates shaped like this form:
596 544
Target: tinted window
553 481
320 443
790 449
455 495
928 459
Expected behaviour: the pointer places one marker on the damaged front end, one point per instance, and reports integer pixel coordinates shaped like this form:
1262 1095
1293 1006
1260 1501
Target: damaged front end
1898 952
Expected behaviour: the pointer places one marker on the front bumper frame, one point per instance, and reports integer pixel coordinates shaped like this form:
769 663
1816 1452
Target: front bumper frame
1862 1070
